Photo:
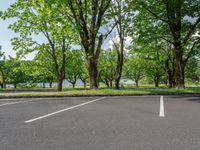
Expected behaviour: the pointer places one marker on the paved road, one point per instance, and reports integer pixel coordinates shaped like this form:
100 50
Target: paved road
110 123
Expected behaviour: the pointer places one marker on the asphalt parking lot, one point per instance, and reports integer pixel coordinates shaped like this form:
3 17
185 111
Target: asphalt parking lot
101 123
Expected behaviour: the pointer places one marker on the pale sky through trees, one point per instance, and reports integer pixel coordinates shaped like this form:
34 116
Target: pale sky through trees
6 34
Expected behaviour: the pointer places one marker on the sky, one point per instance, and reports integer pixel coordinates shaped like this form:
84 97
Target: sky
6 34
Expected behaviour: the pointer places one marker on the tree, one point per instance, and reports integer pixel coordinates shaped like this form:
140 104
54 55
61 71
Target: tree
16 72
192 70
180 20
84 74
134 69
88 16
74 66
43 68
36 17
151 55
119 14
107 66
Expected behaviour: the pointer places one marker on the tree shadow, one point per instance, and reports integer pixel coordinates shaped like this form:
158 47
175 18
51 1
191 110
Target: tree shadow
192 98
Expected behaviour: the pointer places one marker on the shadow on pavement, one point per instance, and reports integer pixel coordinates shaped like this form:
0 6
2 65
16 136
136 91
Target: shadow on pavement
195 98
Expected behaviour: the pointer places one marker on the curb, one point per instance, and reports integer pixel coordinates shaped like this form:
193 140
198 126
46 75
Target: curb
99 95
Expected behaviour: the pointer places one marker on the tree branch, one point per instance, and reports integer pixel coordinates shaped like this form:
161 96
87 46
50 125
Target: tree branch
191 31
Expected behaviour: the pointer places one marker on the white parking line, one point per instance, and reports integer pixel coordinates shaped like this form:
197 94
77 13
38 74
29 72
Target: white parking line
69 108
12 103
162 112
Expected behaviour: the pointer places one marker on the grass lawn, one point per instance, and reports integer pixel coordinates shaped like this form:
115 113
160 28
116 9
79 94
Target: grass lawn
102 91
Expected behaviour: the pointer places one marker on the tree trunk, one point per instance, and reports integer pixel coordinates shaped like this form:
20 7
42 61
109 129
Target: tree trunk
4 85
61 70
107 83
137 83
169 73
111 85
118 73
60 81
50 84
166 83
117 82
170 81
50 79
156 83
3 80
15 85
84 84
73 84
179 67
1 85
43 85
174 14
93 72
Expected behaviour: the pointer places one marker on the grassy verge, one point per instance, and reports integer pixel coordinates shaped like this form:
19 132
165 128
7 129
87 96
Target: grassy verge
101 92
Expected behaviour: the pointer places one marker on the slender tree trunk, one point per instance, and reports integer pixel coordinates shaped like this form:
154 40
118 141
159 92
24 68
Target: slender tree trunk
60 70
3 80
84 84
117 82
15 85
169 73
50 79
179 67
59 86
166 83
120 61
50 84
43 85
107 83
60 78
93 72
156 81
111 84
73 84
137 83
4 84
170 82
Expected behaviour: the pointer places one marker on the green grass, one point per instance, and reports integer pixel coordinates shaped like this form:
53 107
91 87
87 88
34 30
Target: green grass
103 91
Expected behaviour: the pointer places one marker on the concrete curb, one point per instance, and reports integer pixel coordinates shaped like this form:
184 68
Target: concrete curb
100 95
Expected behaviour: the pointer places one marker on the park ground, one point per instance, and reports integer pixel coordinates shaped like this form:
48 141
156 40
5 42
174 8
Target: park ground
101 123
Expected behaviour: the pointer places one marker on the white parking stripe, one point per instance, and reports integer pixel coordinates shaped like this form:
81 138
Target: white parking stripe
162 112
69 108
12 103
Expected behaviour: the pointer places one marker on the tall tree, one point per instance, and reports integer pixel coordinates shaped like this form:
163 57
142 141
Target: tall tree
88 17
134 69
37 18
42 68
107 67
180 18
119 13
74 66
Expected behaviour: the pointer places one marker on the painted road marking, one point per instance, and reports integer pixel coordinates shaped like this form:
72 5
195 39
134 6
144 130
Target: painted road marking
12 103
162 111
66 109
